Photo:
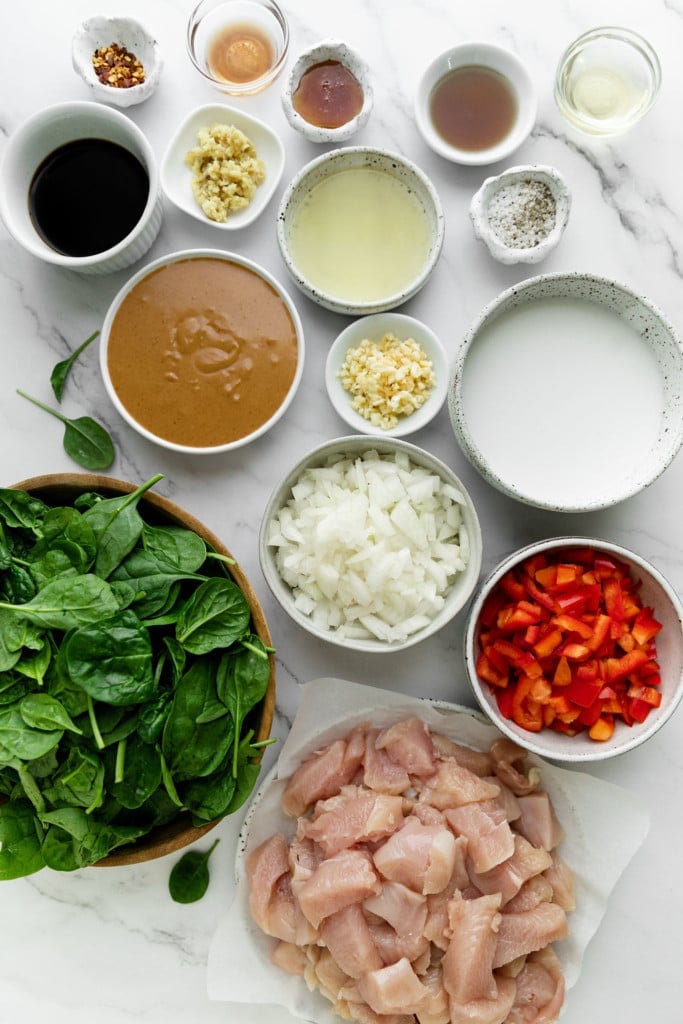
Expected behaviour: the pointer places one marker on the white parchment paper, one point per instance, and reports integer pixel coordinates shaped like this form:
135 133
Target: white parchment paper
604 827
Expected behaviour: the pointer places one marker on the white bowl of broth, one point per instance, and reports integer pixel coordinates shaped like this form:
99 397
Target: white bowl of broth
476 103
360 230
202 351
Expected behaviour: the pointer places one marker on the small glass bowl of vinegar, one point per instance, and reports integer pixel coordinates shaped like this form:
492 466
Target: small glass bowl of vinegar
239 46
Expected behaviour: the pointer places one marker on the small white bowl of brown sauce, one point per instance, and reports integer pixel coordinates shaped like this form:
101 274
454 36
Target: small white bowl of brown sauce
328 93
476 103
202 351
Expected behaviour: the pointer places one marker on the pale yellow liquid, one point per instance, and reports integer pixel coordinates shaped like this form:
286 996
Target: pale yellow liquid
360 235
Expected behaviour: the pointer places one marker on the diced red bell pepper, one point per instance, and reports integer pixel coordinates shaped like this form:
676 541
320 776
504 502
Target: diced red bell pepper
570 624
619 668
563 673
583 692
603 729
544 647
645 626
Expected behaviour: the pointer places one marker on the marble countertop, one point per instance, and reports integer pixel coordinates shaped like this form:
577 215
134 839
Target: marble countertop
109 945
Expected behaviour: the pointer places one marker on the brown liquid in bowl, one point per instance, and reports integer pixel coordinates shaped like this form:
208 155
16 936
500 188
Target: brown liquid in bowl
202 352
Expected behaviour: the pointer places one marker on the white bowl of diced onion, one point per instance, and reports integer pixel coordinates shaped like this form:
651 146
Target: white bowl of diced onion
370 543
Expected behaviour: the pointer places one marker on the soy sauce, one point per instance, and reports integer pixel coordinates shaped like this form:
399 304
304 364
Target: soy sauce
473 108
87 195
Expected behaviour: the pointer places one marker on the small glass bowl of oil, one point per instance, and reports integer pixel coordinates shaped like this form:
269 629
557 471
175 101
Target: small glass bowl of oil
606 80
239 46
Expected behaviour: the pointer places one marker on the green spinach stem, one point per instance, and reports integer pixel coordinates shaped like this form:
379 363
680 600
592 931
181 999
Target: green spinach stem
119 769
97 735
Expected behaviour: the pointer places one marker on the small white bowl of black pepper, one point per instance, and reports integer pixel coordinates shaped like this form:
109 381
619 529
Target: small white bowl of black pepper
521 214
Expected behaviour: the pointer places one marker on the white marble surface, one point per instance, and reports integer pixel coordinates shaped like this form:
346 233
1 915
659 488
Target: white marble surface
109 946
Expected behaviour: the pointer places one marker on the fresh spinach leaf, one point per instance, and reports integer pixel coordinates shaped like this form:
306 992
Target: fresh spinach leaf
79 782
20 840
117 527
21 740
241 683
192 749
141 775
21 510
61 370
41 711
189 878
175 547
214 616
85 440
112 659
67 602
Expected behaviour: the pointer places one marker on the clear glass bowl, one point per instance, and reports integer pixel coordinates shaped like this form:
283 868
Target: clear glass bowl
252 55
607 80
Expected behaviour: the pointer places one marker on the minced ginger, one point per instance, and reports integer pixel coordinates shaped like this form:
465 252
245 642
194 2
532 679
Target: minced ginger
388 379
226 170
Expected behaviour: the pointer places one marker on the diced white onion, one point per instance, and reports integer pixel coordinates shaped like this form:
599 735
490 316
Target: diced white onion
370 546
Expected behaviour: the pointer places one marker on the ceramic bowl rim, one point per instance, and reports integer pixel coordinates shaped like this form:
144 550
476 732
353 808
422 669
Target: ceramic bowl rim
498 58
410 326
351 154
556 749
458 421
261 199
175 257
465 582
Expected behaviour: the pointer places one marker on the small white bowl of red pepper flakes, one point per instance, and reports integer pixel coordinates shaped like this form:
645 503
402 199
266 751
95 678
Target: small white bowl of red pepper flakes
118 58
574 648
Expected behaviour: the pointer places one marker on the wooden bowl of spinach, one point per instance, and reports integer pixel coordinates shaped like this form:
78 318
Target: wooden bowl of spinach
137 679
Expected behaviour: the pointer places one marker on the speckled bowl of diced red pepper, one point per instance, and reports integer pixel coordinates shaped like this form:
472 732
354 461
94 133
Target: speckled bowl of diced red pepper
574 648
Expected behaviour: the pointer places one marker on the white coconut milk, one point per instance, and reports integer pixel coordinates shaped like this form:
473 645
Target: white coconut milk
564 398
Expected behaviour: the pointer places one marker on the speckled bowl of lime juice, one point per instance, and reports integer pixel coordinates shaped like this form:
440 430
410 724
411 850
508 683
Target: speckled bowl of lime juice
360 230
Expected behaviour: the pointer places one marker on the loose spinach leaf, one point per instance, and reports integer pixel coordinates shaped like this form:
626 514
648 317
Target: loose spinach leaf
20 739
214 616
67 602
189 878
117 526
20 840
18 509
241 683
112 659
61 370
141 776
85 440
193 749
41 711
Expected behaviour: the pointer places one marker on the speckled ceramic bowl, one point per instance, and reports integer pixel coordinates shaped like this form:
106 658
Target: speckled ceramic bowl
655 592
328 50
408 174
100 31
513 221
567 392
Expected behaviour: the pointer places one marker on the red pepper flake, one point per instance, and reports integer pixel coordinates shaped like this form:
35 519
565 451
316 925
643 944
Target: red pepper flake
116 66
566 644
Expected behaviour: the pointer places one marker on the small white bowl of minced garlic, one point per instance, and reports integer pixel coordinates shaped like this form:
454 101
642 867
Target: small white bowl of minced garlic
387 374
521 214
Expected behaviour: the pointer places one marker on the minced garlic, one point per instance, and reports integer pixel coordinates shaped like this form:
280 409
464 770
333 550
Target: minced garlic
389 379
226 170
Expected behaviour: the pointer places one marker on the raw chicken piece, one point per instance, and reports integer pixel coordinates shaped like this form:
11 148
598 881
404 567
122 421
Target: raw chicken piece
321 775
409 744
419 856
489 838
508 761
393 989
436 925
348 877
560 876
473 936
265 867
486 1011
538 822
392 947
355 816
506 799
290 958
380 771
524 933
403 909
534 891
348 938
434 1008
509 877
540 990
477 761
452 786
362 1013
327 976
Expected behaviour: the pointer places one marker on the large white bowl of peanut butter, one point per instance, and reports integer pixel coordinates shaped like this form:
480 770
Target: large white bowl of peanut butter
202 351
